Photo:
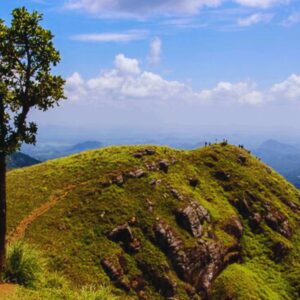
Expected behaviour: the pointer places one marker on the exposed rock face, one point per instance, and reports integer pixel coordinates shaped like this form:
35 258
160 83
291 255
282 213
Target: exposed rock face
115 273
144 152
275 219
164 165
234 227
162 282
118 180
106 183
192 217
280 250
242 159
221 175
136 173
278 222
242 206
291 204
198 265
123 233
151 167
193 181
255 221
176 194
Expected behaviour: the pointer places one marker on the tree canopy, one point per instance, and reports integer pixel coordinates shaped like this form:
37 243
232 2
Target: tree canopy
27 56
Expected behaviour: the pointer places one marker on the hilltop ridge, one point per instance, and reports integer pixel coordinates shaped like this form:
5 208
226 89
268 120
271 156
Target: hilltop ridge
159 223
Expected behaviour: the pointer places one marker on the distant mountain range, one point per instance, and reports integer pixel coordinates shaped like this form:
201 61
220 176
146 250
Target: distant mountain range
19 160
284 158
89 145
45 152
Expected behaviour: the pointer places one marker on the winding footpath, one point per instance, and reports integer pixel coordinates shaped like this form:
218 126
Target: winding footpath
6 289
19 232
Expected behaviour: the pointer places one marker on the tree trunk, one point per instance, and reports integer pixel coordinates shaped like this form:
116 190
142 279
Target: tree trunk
2 213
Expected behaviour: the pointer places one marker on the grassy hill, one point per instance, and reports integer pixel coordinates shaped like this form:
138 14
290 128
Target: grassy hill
157 223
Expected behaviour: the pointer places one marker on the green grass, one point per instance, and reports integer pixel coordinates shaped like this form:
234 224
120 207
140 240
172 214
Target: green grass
243 284
73 234
27 268
24 265
85 293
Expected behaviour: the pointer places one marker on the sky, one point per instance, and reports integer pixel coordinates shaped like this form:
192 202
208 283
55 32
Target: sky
177 65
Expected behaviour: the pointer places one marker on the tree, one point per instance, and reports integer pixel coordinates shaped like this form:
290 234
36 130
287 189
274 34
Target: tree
27 56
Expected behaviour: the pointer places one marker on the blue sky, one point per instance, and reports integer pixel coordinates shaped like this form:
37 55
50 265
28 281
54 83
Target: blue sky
174 63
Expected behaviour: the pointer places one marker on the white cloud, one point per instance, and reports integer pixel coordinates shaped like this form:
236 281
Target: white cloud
255 19
226 92
127 85
141 8
261 3
294 18
125 82
76 87
127 65
110 37
155 51
288 89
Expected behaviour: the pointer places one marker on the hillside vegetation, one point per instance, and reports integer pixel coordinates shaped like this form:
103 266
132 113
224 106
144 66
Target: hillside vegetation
157 223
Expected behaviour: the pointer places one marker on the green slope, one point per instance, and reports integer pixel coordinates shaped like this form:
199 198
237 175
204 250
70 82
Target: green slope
248 246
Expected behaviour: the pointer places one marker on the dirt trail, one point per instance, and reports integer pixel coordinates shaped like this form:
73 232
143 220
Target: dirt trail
19 232
6 289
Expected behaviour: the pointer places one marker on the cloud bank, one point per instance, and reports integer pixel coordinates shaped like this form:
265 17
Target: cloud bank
127 83
162 7
255 19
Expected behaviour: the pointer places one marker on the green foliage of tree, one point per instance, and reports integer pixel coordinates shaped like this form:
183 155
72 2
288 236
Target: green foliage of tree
27 57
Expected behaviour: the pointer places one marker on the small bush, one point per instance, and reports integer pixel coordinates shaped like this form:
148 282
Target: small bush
24 265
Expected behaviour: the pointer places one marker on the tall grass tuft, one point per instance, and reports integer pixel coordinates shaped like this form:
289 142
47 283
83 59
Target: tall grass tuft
24 265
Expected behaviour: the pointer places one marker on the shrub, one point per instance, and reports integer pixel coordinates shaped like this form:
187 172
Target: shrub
24 265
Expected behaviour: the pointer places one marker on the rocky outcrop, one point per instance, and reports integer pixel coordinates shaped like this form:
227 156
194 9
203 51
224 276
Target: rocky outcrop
144 152
221 175
161 281
192 218
198 265
290 204
138 173
123 234
273 217
164 165
234 227
193 181
242 205
176 194
242 159
115 273
278 222
152 167
118 180
255 221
